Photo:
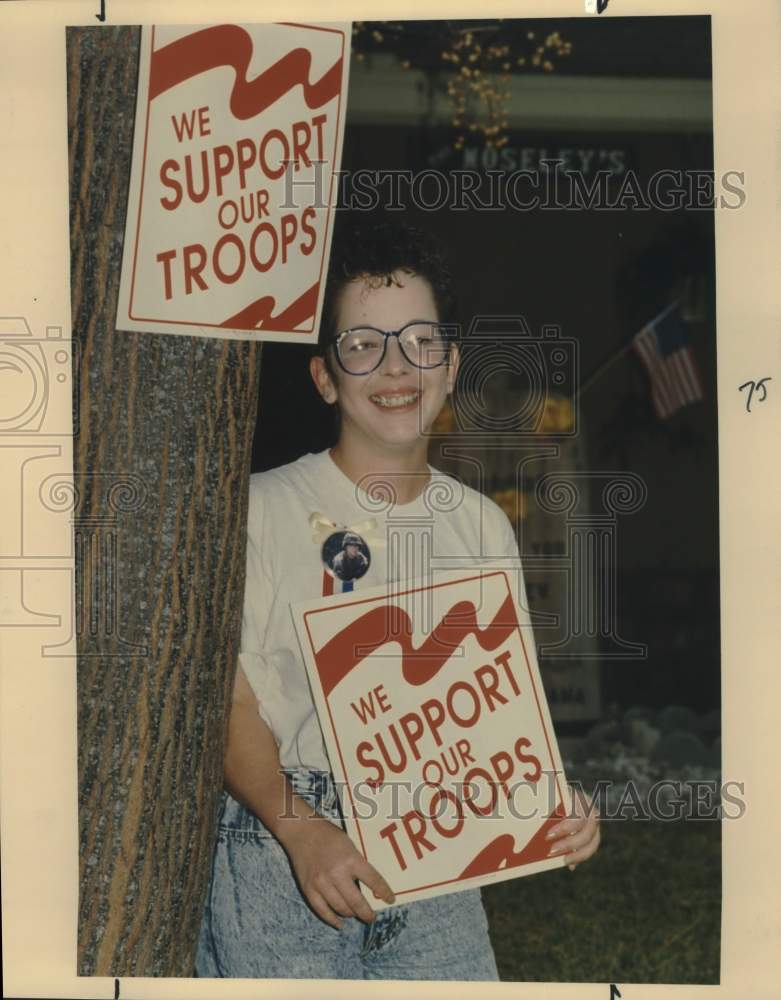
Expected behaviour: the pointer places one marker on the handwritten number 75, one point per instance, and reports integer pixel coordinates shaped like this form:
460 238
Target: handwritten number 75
753 387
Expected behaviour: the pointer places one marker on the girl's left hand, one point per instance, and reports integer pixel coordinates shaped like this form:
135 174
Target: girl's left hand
576 837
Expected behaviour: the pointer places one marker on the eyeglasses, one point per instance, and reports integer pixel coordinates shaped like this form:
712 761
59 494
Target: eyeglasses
423 343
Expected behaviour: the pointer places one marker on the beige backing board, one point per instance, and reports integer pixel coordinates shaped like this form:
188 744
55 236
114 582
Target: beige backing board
39 821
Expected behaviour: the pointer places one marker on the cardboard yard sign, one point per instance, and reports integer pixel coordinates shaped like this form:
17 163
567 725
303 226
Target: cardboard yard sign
440 740
238 135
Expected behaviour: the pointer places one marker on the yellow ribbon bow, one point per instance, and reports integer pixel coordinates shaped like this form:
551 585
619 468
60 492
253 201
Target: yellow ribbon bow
323 528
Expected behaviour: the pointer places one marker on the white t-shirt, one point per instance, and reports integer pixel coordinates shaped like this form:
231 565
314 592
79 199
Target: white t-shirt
447 525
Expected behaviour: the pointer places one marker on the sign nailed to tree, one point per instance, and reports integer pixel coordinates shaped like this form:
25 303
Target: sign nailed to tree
439 737
237 140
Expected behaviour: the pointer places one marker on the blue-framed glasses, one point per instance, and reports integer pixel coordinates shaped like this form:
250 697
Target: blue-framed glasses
424 344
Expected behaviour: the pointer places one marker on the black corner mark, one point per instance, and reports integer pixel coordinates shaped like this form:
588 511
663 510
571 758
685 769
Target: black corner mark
116 981
102 17
752 387
602 5
614 990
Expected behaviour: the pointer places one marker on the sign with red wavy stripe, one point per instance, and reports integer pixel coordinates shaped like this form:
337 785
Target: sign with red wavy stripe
237 144
437 729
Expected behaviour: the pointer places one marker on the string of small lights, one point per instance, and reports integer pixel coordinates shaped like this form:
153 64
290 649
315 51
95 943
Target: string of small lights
477 85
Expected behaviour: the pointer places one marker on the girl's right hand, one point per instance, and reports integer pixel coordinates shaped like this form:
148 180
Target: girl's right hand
327 865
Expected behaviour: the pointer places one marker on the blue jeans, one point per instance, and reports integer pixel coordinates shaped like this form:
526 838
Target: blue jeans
257 924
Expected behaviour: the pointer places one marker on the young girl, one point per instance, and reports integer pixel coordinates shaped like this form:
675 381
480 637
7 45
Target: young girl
284 898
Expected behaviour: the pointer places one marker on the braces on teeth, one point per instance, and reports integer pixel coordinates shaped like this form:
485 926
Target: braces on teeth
395 400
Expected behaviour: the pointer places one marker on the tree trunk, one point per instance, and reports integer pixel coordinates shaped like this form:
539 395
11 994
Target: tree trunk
164 428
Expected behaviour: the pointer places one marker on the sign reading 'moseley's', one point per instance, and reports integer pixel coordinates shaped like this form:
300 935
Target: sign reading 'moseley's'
237 143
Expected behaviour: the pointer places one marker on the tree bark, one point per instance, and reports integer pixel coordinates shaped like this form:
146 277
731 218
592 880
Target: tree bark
164 428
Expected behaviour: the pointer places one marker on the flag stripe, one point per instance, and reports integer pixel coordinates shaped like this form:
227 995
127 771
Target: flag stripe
688 373
670 363
691 369
646 344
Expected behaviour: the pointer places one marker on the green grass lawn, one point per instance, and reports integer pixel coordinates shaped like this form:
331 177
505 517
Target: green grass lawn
646 908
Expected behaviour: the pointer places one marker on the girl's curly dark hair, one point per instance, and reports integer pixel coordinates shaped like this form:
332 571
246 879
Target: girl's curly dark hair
375 250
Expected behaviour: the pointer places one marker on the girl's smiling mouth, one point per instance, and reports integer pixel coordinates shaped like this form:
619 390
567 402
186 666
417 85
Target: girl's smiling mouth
396 400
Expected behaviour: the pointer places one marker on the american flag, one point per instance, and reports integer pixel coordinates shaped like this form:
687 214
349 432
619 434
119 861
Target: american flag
663 347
